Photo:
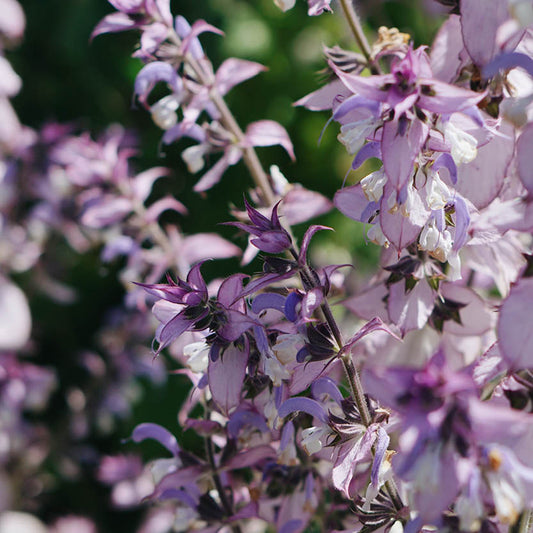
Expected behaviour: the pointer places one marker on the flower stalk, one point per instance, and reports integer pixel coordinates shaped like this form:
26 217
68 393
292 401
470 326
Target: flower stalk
357 31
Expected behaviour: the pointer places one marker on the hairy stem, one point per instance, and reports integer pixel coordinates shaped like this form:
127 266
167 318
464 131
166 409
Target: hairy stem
226 504
357 31
249 155
357 388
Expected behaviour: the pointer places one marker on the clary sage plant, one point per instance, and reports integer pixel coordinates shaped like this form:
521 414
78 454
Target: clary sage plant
404 405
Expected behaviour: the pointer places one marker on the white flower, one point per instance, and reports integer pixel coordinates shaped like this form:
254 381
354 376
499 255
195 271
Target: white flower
438 243
454 261
384 474
373 184
438 193
271 413
289 455
313 439
463 145
469 505
276 371
285 5
194 157
164 112
281 184
287 346
505 476
197 354
507 500
163 467
375 235
353 134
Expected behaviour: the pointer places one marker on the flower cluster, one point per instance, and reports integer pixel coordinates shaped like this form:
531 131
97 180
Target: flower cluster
324 400
450 207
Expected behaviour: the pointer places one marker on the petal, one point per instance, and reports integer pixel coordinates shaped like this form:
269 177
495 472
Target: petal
236 325
203 246
446 161
515 326
462 222
242 418
311 302
306 241
369 303
524 157
400 146
370 87
398 229
355 102
191 43
300 205
226 376
508 61
162 205
174 328
15 317
142 183
447 98
307 405
317 7
476 316
375 324
371 149
250 457
114 22
158 433
234 71
448 52
215 173
352 202
268 133
230 290
323 98
411 310
268 300
128 6
326 386
109 210
382 445
153 73
184 129
481 180
480 20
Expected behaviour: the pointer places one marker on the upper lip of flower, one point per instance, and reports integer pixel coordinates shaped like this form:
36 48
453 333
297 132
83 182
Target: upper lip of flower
410 83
